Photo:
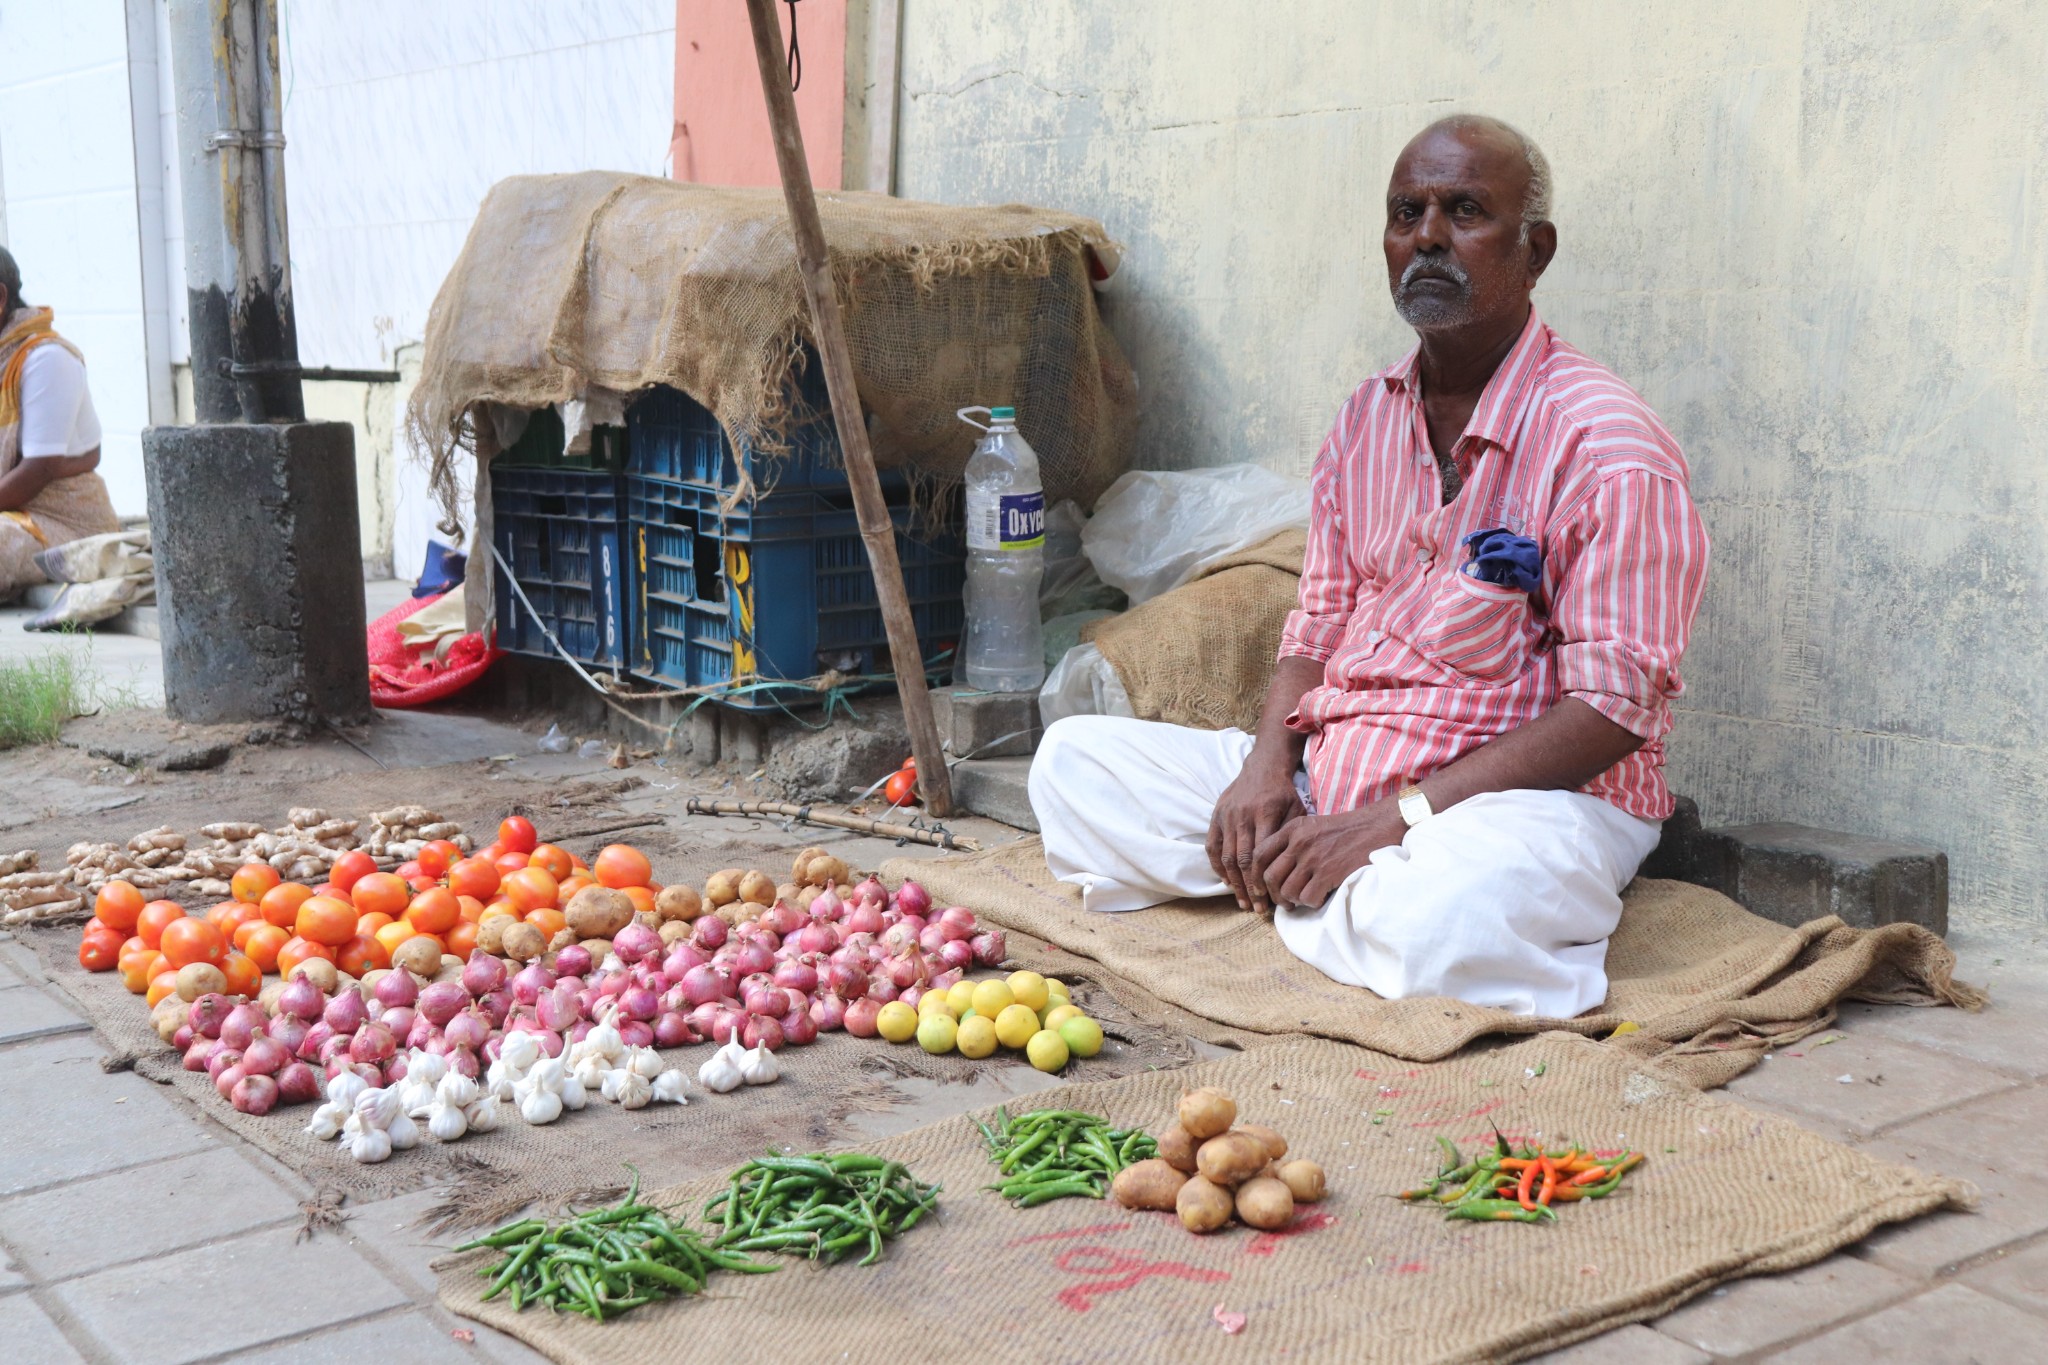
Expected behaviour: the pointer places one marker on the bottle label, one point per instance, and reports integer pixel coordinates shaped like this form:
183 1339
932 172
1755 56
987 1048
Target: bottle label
1011 521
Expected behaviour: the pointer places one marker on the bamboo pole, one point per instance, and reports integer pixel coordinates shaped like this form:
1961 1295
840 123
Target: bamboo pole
806 815
877 531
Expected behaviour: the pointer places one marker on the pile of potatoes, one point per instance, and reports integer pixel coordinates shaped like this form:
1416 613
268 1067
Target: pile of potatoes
1210 1168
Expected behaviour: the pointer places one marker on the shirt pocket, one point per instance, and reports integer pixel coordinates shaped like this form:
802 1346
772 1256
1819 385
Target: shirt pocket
1479 630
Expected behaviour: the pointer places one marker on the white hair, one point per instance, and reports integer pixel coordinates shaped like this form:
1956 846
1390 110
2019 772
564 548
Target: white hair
1536 200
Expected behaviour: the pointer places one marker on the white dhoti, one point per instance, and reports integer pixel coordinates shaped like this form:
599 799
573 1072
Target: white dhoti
1506 899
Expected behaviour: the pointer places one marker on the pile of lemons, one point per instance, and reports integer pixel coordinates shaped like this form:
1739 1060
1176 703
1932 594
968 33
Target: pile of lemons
1023 1010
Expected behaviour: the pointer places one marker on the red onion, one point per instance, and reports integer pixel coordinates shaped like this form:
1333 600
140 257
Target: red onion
671 1030
206 1014
556 1010
881 990
646 972
912 996
957 921
904 971
845 980
827 905
400 1020
493 1048
899 936
728 1025
753 958
781 920
441 1002
760 998
703 984
574 960
254 1095
316 1037
989 950
182 1039
762 1031
300 997
931 937
681 958
531 980
862 919
955 955
422 1034
635 941
871 889
335 1066
346 1012
945 981
857 946
337 1045
673 1001
913 899
243 1023
817 938
227 1078
496 1006
198 1052
798 1029
797 976
708 931
297 1084
395 1069
482 972
396 989
467 1030
551 1044
372 1043
612 985
264 1057
463 1062
639 1003
637 1033
860 1016
700 1018
828 1012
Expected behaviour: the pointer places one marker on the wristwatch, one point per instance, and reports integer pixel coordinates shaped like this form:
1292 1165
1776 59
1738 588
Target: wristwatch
1414 806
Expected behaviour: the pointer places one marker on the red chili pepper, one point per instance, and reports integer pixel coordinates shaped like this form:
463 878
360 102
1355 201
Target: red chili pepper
1591 1177
1549 1181
1522 1188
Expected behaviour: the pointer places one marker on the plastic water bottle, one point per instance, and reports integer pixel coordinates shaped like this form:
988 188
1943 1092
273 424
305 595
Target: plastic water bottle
1005 646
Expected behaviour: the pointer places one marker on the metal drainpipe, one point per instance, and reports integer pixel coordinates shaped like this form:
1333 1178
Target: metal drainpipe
245 354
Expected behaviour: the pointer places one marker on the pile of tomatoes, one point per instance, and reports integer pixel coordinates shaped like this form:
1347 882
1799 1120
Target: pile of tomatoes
356 919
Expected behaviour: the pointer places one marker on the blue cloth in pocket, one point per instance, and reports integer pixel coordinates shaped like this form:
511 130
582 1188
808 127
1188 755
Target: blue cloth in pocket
1501 557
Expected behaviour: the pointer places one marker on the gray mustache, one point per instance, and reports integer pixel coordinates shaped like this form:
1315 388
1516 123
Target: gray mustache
1444 268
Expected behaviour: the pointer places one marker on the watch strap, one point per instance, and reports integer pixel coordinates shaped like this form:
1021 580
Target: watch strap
1414 806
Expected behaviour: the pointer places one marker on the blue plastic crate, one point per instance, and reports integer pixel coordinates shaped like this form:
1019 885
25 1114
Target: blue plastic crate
672 436
777 588
543 446
562 532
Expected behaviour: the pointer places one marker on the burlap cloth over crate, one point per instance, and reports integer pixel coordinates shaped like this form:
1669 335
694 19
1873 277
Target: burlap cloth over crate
1706 986
623 281
1202 654
1359 1277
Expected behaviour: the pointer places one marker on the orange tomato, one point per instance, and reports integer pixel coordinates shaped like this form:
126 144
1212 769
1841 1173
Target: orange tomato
437 857
642 898
508 863
193 940
472 909
901 788
362 953
393 934
252 880
370 924
517 834
160 985
100 950
571 884
280 904
298 950
577 864
491 852
326 920
531 888
350 868
411 870
244 976
548 920
149 925
423 882
497 903
117 906
434 911
381 893
262 943
237 914
139 969
477 877
621 865
214 914
133 944
555 861
462 939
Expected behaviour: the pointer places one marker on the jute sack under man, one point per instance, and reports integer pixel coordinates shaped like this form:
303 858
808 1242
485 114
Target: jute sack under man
1359 1277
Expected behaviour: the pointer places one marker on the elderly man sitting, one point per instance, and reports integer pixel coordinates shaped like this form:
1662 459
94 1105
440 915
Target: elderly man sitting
1502 569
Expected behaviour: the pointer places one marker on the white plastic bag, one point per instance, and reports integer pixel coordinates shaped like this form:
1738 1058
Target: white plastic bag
1082 684
1152 530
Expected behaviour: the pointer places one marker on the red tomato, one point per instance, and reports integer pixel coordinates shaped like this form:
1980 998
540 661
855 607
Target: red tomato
474 877
518 835
621 865
350 868
901 788
411 870
100 950
437 857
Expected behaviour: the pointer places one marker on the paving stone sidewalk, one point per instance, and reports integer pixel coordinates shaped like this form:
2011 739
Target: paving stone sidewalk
131 1224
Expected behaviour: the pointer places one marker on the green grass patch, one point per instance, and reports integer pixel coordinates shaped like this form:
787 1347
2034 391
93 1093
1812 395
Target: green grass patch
38 695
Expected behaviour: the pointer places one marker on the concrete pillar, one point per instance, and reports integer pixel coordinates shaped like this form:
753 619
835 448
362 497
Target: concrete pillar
258 572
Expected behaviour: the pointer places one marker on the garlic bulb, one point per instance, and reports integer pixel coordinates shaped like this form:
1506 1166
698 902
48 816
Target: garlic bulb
426 1066
612 1081
541 1106
343 1088
458 1090
574 1096
547 1073
670 1087
447 1122
404 1133
519 1051
605 1041
484 1114
377 1108
415 1097
499 1079
760 1067
721 1073
326 1124
369 1146
643 1060
589 1072
635 1090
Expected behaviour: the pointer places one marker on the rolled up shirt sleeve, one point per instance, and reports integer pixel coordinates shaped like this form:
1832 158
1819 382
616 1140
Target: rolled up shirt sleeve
1329 580
1623 604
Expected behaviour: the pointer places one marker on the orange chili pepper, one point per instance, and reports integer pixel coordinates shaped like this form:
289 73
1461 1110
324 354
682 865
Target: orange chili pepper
1516 1163
1592 1176
1522 1189
1549 1181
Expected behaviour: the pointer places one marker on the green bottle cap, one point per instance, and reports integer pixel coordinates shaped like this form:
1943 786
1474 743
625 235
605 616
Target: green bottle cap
1002 414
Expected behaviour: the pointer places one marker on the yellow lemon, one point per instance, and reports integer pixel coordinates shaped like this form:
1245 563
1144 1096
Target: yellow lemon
1059 1014
960 997
896 1022
1029 988
1047 1050
1082 1035
1057 989
937 1032
1016 1025
934 1002
991 998
976 1037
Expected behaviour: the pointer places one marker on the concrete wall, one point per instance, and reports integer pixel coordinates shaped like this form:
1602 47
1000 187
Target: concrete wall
1810 233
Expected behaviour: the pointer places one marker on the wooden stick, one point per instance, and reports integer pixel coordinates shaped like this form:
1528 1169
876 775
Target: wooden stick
937 838
877 531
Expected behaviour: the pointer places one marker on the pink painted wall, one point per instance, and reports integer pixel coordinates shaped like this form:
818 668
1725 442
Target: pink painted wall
721 128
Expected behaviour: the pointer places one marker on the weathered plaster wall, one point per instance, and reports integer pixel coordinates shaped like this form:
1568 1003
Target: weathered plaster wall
1810 233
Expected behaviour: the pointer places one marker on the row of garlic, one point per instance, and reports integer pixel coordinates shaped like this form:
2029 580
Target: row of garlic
733 1066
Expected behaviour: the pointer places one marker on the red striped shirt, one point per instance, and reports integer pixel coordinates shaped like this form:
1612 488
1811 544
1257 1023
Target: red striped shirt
1423 663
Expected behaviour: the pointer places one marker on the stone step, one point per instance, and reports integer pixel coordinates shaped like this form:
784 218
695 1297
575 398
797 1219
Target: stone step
995 787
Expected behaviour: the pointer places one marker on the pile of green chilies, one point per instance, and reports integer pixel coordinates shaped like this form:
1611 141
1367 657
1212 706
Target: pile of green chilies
1507 1183
823 1207
602 1263
1060 1154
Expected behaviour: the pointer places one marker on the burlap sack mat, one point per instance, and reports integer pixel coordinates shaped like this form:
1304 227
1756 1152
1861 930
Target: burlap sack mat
1708 986
1202 654
1359 1277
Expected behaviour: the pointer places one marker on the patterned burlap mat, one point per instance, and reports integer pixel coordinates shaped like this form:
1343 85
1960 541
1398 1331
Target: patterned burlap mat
1360 1277
1708 986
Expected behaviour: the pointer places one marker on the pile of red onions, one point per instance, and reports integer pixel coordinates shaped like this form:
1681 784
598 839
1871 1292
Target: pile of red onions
782 976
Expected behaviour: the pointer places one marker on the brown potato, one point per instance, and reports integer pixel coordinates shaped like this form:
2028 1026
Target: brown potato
1275 1145
803 860
564 936
421 954
323 974
1304 1179
168 1016
820 869
598 948
523 942
1265 1203
1147 1185
757 888
490 931
1177 1149
1206 1112
673 931
199 978
597 912
1202 1206
678 902
723 888
1230 1159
